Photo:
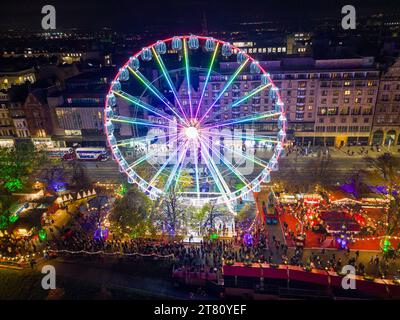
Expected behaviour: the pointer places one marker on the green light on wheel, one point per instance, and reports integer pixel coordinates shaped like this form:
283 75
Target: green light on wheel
386 245
42 234
13 218
214 236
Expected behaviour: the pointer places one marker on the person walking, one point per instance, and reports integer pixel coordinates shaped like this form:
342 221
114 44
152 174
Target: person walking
32 263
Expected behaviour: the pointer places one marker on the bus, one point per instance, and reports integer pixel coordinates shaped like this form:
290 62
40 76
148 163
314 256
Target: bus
271 214
83 154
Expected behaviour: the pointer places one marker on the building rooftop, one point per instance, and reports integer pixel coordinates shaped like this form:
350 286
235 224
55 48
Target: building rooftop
95 81
92 75
15 65
310 64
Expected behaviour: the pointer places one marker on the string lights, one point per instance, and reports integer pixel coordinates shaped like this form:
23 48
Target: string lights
114 253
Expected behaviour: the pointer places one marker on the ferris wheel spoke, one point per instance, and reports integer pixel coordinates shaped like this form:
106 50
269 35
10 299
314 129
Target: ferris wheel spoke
207 78
155 91
136 121
255 159
230 166
178 175
271 139
250 94
196 164
187 68
243 99
224 190
172 175
161 169
143 158
268 114
169 81
211 162
142 104
143 139
227 85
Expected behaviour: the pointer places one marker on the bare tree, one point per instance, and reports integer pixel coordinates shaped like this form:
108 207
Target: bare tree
385 169
386 166
53 175
322 169
304 177
79 177
174 212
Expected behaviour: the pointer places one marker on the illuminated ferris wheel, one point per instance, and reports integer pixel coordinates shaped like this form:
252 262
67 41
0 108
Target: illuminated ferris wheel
174 123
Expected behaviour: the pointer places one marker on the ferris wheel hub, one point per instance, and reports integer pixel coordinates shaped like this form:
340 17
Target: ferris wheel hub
192 132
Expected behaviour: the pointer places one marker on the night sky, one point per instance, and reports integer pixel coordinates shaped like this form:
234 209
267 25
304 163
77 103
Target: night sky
136 14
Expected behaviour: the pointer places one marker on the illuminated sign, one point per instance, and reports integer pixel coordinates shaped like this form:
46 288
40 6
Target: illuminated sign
243 44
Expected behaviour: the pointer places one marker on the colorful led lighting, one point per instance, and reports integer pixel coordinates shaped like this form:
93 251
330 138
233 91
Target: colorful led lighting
207 79
228 84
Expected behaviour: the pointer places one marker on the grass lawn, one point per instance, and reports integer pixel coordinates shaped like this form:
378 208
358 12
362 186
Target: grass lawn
21 285
26 285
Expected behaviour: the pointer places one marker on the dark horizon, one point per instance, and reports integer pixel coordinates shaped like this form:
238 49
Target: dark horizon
180 15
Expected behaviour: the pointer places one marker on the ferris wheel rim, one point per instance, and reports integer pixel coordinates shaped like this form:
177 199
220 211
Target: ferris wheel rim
236 193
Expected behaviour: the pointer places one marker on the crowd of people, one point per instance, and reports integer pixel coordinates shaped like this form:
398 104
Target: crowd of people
304 151
208 255
12 245
249 246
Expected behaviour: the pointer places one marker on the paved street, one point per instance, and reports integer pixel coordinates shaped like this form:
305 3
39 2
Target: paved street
341 166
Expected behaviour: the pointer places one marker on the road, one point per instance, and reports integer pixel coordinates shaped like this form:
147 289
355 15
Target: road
340 168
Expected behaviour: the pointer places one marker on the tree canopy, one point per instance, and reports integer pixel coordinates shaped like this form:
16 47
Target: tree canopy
133 213
16 165
386 169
